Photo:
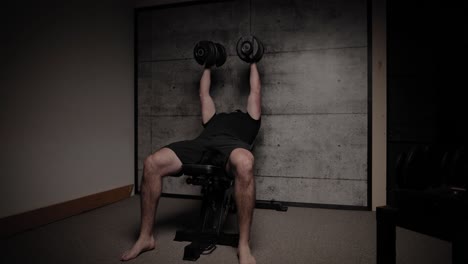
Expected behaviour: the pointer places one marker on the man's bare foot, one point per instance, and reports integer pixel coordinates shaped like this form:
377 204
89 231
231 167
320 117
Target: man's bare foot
245 257
142 245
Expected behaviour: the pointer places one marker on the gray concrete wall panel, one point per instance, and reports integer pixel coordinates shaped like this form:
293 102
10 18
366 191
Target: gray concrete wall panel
319 191
144 139
321 81
175 87
168 129
176 30
304 24
145 93
313 146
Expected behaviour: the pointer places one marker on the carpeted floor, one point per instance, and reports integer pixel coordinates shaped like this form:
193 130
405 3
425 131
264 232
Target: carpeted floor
300 235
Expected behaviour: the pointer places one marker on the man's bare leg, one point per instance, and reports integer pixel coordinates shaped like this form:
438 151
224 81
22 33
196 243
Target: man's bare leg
162 163
241 163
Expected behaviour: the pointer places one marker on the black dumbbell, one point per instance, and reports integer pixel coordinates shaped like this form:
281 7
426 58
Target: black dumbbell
209 53
250 49
220 55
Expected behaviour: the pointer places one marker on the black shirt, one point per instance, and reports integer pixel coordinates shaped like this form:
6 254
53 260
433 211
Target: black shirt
236 124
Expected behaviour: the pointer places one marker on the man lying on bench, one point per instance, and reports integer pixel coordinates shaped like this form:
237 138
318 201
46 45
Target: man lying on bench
228 134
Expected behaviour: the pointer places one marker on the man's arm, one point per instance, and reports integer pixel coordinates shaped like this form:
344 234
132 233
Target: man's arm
254 102
208 108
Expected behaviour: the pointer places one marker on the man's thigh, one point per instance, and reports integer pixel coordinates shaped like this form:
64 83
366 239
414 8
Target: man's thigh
188 151
167 161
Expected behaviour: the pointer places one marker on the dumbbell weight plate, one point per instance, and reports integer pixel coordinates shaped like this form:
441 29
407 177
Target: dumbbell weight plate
201 51
249 49
221 55
205 53
211 59
260 51
244 48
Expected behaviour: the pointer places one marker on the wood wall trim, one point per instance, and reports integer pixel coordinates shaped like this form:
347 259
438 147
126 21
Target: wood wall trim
14 224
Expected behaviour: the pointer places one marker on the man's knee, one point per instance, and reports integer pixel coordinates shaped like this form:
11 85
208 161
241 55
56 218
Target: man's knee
161 162
242 163
153 162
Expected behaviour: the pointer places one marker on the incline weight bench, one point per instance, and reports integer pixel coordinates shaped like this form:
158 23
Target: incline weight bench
217 189
217 202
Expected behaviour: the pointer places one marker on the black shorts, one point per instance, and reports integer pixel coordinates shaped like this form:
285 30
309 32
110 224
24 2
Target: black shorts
213 151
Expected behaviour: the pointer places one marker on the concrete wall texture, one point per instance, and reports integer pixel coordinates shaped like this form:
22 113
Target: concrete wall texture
67 101
313 144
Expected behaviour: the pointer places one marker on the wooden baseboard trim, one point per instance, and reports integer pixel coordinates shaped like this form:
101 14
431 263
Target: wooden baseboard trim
14 224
